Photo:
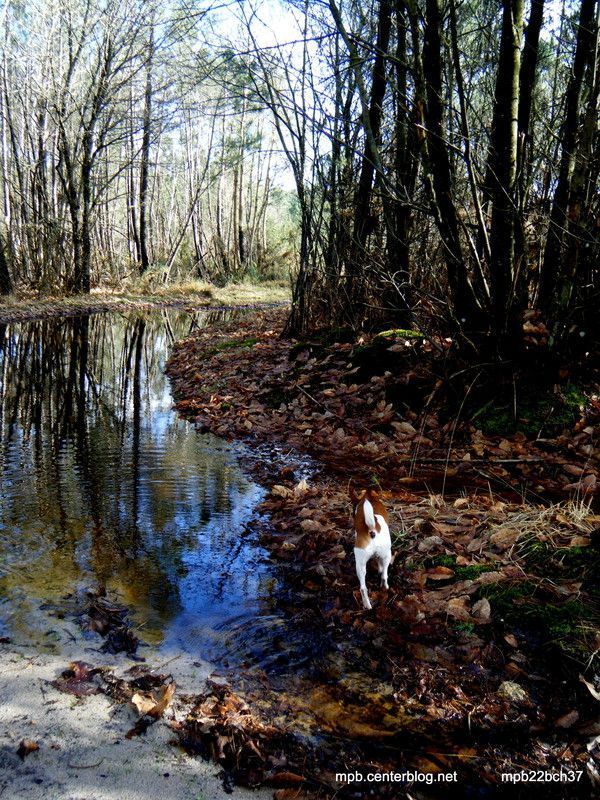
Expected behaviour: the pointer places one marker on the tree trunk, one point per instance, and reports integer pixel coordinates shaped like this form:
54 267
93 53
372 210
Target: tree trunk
441 180
145 156
527 81
553 252
398 210
362 222
503 188
5 279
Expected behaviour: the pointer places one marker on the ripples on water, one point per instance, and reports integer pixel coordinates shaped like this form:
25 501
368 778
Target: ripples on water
101 482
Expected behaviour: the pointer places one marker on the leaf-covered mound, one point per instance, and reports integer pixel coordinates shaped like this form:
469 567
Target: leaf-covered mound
403 410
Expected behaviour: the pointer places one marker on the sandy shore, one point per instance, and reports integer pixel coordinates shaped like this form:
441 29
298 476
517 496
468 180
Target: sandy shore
83 753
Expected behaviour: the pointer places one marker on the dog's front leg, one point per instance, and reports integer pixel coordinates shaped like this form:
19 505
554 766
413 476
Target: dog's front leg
361 559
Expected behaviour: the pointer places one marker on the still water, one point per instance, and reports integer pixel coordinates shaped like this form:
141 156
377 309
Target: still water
102 483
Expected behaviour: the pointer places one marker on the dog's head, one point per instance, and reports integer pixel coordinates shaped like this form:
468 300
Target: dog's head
357 499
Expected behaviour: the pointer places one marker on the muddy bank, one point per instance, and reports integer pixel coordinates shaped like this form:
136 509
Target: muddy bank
473 657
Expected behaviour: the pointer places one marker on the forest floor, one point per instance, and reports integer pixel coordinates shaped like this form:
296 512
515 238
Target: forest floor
14 308
483 654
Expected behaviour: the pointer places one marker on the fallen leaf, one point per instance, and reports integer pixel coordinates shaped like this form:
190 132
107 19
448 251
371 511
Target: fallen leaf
461 502
491 577
572 469
579 541
26 747
504 538
457 608
439 573
280 491
482 609
143 703
592 689
428 543
155 703
311 525
404 428
512 691
283 778
77 679
567 720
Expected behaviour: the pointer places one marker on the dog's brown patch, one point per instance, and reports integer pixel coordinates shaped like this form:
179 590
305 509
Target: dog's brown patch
363 535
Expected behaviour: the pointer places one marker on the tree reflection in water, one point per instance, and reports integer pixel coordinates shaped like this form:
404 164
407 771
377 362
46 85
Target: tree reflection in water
100 482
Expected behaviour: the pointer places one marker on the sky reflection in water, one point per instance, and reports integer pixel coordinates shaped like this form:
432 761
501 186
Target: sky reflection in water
100 482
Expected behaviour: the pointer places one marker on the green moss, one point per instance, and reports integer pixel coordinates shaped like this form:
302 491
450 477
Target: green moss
443 560
559 624
577 560
537 410
463 627
570 562
472 571
503 595
461 573
236 343
536 554
400 333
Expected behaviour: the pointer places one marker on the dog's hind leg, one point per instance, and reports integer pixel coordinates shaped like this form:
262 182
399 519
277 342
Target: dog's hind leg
361 570
384 563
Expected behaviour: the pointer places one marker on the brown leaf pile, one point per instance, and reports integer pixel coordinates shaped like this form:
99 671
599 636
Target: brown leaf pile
109 619
149 693
221 727
78 679
248 381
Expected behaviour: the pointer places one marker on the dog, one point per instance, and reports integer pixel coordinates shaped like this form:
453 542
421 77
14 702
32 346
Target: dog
372 538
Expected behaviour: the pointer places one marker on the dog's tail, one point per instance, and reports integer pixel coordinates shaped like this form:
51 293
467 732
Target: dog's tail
369 516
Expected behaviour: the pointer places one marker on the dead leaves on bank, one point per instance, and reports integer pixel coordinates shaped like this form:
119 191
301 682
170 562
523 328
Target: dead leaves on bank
470 579
442 635
151 706
221 727
78 679
359 423
149 694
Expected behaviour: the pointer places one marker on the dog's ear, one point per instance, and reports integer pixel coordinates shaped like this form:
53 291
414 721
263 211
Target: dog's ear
373 494
354 498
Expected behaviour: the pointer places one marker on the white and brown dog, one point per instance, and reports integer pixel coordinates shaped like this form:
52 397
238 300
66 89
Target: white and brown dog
372 538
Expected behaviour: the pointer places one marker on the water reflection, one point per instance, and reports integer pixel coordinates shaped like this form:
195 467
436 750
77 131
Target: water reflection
101 482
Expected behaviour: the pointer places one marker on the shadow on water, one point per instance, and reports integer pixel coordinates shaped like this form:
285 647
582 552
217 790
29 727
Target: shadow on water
101 483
